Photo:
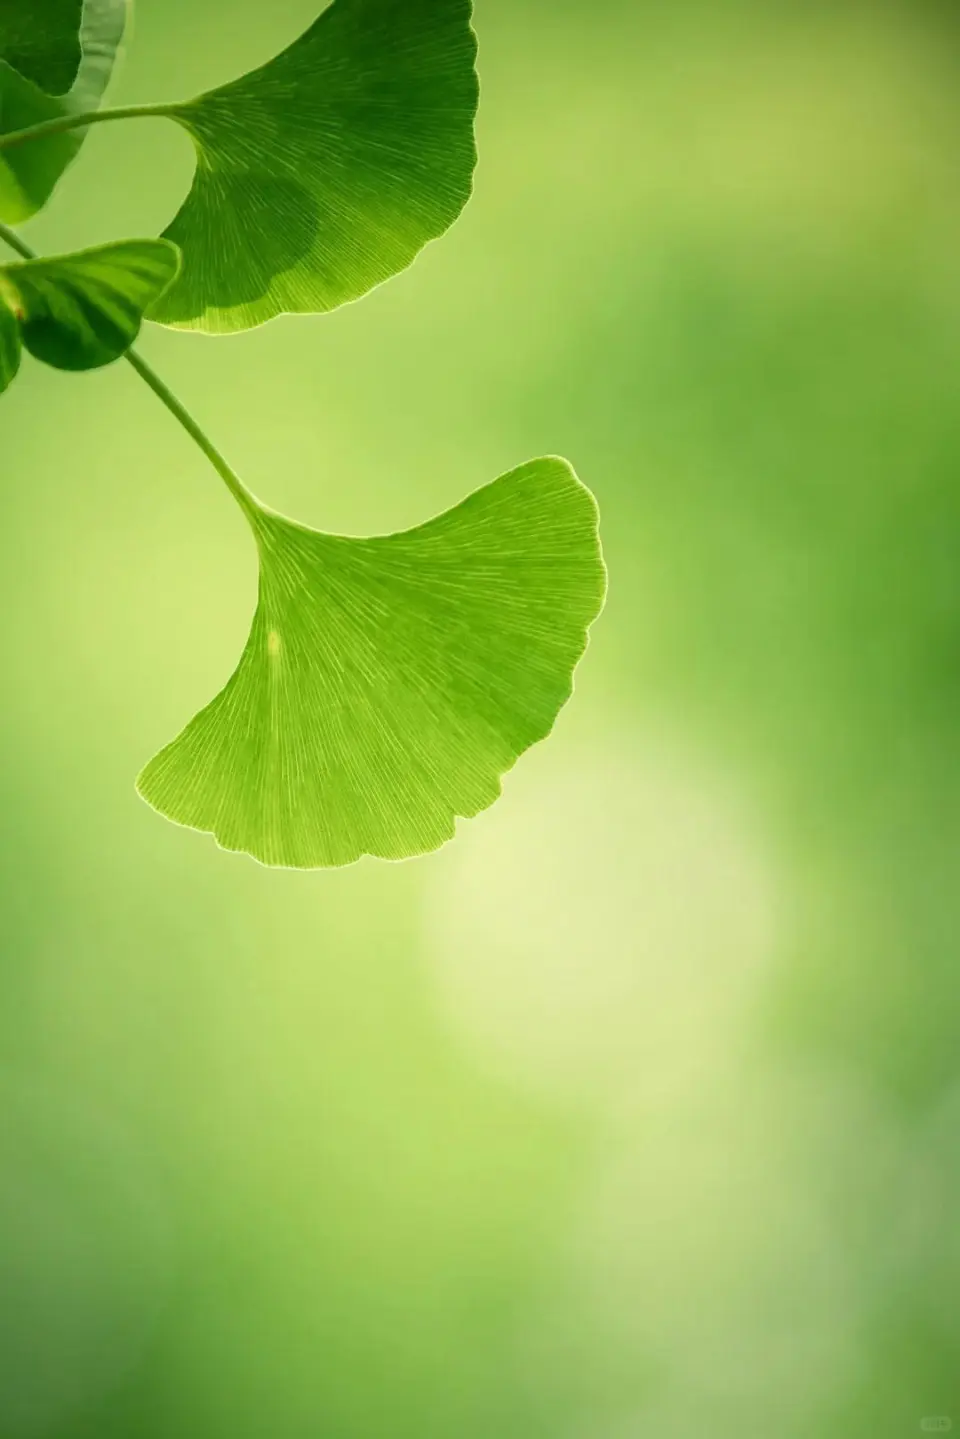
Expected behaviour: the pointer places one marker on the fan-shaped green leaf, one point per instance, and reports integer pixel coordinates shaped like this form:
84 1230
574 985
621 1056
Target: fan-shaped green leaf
80 311
41 40
326 171
388 683
29 172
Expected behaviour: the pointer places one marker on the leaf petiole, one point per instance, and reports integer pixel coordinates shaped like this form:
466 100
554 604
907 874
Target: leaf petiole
230 478
63 123
11 238
232 481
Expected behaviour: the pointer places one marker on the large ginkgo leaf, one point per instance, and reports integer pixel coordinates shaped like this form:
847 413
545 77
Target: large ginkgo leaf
326 171
29 172
80 311
388 683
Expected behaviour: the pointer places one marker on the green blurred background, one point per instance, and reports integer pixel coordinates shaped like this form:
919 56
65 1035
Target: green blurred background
636 1111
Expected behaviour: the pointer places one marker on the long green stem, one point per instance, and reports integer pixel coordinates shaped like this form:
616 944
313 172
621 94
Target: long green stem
11 238
229 476
232 481
62 123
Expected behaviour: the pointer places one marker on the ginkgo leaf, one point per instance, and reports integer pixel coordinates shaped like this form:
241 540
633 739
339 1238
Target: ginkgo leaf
324 172
29 172
41 40
84 310
388 683
10 343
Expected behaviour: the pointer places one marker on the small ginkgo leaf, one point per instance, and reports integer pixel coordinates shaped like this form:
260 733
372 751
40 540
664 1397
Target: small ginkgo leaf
41 40
326 171
84 310
29 172
10 343
388 683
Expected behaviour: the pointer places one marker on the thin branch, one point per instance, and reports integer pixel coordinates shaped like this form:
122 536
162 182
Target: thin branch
229 476
61 124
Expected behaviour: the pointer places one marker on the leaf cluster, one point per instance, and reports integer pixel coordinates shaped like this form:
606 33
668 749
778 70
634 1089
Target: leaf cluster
387 684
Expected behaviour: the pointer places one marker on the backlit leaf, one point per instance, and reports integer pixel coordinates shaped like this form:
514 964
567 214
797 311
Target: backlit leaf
10 343
29 172
388 683
41 40
80 311
326 171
